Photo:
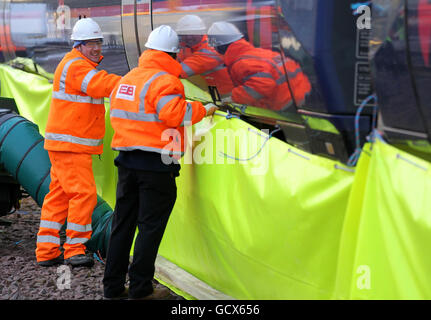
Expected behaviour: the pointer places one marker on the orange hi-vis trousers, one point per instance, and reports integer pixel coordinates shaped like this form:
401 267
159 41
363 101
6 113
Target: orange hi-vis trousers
72 195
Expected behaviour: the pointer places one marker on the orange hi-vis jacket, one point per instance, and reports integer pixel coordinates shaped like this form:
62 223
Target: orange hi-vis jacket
148 107
76 120
204 60
259 77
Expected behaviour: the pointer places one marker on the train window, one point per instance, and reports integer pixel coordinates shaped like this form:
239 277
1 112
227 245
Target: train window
234 46
41 30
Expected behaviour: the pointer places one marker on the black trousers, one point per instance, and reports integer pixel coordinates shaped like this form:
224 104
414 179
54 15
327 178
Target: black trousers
145 200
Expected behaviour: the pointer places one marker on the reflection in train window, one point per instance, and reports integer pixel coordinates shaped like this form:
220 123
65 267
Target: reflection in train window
41 30
233 46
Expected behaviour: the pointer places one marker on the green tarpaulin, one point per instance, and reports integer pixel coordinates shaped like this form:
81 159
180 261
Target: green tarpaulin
266 228
387 230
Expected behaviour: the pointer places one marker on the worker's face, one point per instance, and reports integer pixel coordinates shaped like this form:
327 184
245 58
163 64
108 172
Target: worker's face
92 49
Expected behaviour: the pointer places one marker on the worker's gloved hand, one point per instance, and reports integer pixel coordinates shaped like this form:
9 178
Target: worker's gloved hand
210 108
226 100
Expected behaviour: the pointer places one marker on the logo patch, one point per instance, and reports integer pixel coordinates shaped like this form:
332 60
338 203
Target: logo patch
126 92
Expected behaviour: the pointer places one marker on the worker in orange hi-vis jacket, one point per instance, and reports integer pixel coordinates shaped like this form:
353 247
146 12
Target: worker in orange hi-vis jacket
148 115
258 75
75 131
197 57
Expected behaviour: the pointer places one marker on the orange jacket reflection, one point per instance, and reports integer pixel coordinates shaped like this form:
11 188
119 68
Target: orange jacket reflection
259 77
204 60
74 131
148 107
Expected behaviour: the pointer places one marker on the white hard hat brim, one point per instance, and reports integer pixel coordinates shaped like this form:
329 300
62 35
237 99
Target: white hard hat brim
86 38
173 50
86 29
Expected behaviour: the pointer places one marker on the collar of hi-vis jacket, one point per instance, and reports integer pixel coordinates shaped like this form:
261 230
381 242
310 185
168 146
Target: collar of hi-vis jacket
155 59
76 53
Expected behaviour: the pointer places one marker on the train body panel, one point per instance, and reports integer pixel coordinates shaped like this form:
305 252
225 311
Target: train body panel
329 40
400 60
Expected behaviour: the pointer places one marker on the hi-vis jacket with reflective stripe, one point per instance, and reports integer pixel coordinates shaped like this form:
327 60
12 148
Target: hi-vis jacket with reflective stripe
259 77
76 120
204 60
148 107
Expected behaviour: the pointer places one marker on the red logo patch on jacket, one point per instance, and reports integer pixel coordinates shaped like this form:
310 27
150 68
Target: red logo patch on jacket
126 92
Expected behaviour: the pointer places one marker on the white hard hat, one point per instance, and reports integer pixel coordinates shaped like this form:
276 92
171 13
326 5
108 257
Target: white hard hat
222 32
163 38
86 29
190 24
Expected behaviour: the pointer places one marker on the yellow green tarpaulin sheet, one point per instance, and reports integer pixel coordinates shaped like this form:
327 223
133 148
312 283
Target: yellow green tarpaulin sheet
256 218
266 228
387 229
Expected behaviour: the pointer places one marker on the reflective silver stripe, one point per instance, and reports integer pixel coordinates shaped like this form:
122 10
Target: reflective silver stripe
145 117
280 80
76 240
258 75
61 93
256 95
278 61
144 148
218 68
50 224
166 99
50 239
140 115
207 52
72 139
78 227
145 89
87 80
188 115
290 75
293 74
272 63
187 69
76 98
64 73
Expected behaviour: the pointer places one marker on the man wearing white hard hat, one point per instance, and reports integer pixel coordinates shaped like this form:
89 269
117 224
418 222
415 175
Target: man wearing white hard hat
259 75
148 113
74 132
198 58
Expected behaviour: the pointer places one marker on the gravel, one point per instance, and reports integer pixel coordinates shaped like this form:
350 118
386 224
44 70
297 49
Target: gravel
22 279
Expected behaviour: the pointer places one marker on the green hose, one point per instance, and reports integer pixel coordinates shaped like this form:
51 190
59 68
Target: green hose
23 156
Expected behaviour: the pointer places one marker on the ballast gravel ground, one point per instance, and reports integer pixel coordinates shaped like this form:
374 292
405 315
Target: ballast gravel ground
22 279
